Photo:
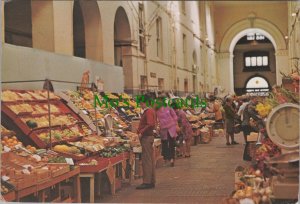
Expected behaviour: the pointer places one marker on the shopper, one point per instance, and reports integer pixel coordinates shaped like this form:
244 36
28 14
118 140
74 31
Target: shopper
248 113
245 101
186 130
229 120
167 119
145 132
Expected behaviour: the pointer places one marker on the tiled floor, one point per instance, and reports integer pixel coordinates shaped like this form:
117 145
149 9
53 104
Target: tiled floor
207 177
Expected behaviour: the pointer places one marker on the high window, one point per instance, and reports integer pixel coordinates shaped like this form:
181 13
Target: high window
184 50
141 28
256 61
160 84
159 38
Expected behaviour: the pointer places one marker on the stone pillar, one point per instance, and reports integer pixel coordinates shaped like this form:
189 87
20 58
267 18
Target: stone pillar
63 27
42 25
225 71
282 64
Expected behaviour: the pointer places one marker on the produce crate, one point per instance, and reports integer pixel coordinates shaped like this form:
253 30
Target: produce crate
57 172
42 175
26 181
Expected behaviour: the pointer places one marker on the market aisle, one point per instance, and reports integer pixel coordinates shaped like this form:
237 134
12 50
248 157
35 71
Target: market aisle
207 177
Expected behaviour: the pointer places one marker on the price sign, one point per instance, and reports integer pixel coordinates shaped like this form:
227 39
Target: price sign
69 161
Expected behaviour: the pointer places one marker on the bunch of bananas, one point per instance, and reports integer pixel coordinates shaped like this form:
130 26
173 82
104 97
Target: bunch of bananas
263 109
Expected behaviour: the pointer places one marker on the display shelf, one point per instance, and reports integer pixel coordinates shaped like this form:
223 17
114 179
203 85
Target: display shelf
102 163
61 110
39 187
9 197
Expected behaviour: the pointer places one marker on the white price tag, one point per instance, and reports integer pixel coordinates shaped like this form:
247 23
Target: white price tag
85 112
5 178
69 161
6 149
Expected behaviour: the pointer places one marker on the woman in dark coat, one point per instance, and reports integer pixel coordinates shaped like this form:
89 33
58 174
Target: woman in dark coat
229 120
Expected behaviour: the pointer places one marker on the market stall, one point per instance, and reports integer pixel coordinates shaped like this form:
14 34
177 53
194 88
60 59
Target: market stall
43 121
273 176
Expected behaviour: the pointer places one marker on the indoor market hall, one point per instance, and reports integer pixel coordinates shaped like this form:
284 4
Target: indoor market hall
150 101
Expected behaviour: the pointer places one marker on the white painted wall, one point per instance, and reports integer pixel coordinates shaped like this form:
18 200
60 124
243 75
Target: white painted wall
21 63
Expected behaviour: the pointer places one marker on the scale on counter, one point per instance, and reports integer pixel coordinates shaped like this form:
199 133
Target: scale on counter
283 129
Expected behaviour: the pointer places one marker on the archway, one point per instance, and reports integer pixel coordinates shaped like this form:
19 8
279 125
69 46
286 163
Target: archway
253 53
122 46
18 23
231 37
87 30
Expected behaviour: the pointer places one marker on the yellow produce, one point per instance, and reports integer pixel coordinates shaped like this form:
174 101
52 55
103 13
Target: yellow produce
263 109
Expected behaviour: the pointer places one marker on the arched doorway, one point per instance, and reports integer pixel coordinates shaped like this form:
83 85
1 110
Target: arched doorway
257 85
253 53
87 30
18 23
122 46
232 36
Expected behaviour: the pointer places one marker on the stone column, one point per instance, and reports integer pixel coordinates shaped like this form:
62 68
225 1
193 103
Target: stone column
282 64
42 25
63 27
225 71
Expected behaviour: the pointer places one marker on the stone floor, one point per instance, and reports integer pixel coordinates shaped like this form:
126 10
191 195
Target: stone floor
207 177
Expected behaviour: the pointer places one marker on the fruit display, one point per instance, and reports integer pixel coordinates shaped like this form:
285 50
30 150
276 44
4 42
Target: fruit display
92 162
43 121
111 96
64 134
253 186
8 96
133 138
17 95
5 131
113 151
67 149
89 146
10 142
33 108
263 109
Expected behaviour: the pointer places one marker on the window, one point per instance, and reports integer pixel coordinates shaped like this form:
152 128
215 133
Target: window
141 28
186 85
255 36
143 82
194 84
184 50
158 38
160 84
256 60
182 7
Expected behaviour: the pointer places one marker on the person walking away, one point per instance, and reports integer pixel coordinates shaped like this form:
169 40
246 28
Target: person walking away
186 130
145 132
240 114
167 119
229 120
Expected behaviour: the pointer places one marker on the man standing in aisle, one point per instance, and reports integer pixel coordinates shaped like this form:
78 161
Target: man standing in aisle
145 131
